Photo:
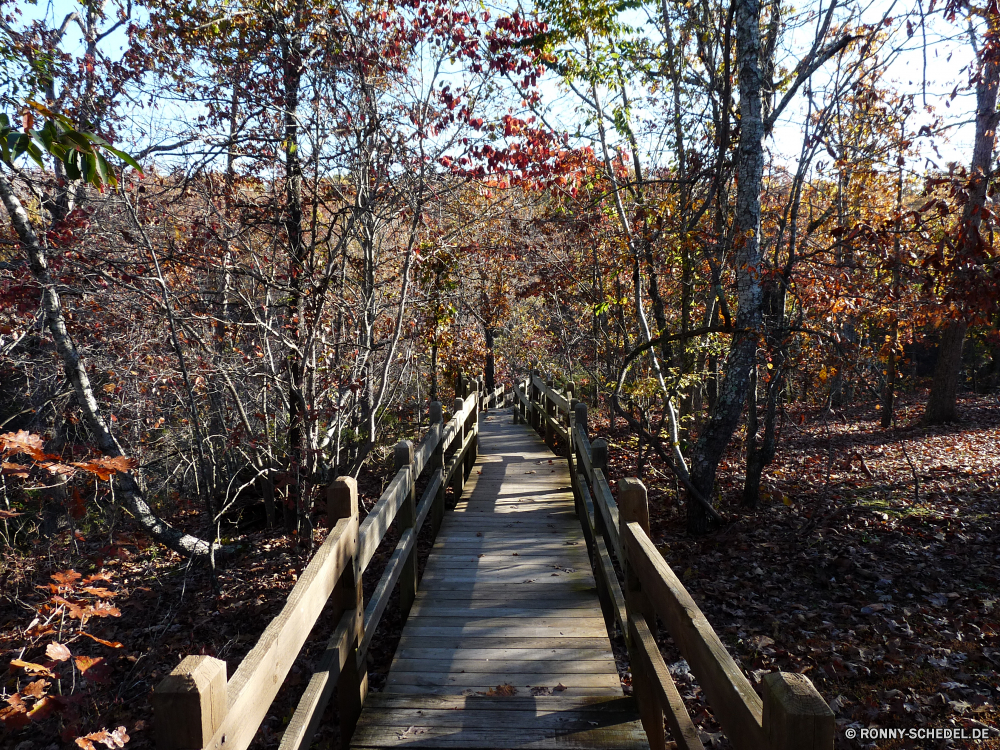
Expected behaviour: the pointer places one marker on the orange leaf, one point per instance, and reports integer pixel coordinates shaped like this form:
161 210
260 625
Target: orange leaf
72 609
22 441
32 668
43 708
83 663
103 609
57 651
15 716
66 577
105 466
37 688
114 739
102 593
109 644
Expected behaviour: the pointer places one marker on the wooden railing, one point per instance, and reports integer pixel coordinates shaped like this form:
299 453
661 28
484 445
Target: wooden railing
196 707
790 715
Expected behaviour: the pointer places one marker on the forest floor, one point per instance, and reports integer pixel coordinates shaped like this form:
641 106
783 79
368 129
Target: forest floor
884 597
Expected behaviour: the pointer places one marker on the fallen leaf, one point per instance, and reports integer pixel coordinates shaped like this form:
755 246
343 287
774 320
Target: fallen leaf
57 651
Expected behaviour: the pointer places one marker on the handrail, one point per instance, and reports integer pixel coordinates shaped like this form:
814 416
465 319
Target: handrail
792 713
196 707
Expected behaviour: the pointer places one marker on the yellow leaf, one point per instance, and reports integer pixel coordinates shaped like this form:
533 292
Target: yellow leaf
110 387
786 500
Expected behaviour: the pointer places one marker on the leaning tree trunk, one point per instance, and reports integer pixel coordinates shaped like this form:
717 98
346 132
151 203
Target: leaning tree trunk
76 371
944 388
743 350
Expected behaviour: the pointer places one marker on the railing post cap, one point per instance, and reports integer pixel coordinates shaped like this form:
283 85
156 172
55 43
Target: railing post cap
436 412
599 454
190 704
403 454
459 404
795 714
633 502
341 499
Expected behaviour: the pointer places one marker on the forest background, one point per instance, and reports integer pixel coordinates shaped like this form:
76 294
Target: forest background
248 243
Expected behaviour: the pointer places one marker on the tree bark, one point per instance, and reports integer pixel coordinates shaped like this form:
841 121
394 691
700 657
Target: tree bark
944 391
944 388
743 349
76 371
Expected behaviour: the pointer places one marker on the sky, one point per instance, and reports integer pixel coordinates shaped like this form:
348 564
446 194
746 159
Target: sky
933 64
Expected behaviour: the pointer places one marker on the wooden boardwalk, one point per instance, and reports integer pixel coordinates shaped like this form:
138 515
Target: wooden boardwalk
506 645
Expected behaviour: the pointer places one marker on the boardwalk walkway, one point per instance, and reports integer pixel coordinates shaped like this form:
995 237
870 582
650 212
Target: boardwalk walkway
505 646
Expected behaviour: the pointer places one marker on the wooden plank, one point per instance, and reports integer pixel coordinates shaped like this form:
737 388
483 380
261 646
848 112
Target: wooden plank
504 628
517 679
608 738
427 499
558 399
604 501
612 586
549 641
503 666
508 610
380 597
735 704
644 647
309 711
471 717
422 453
263 670
543 704
524 589
377 522
510 631
488 689
523 655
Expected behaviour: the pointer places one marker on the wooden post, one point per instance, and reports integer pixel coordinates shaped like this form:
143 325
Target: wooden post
190 703
599 455
458 478
437 464
474 420
581 416
533 399
407 516
352 685
795 715
633 505
547 406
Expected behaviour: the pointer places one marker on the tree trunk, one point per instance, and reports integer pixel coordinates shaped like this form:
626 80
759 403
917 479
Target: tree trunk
944 391
296 358
742 354
490 370
944 388
76 371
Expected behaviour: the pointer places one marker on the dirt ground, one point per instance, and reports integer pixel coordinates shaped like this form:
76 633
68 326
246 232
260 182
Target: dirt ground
872 567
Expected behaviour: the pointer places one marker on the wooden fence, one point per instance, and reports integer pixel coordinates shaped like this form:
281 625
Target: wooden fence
791 715
197 707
